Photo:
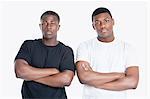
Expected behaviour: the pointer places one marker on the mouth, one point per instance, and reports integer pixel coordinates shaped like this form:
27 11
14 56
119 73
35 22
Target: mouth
48 33
104 30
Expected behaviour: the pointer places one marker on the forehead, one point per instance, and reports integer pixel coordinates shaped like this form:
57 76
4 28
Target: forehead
49 18
102 16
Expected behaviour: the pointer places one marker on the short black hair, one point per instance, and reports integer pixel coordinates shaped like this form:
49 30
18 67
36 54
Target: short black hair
99 11
50 13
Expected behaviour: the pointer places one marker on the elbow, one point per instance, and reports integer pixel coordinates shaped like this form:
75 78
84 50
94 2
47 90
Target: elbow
82 79
133 83
20 72
67 79
17 75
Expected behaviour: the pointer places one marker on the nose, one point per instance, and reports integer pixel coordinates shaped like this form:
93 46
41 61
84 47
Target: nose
102 24
49 26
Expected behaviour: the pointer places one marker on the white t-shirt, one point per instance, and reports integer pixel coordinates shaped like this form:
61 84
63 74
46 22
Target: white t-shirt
115 56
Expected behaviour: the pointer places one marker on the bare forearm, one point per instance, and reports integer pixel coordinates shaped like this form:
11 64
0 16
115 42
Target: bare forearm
88 76
36 73
25 71
58 80
95 78
121 84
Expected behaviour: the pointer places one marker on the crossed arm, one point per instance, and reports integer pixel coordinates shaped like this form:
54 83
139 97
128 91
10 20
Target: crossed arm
110 81
48 76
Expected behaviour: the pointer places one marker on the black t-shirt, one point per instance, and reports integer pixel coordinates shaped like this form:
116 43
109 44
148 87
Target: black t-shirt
41 56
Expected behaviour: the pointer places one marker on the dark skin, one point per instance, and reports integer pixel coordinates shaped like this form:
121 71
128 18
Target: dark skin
116 81
49 27
103 24
48 76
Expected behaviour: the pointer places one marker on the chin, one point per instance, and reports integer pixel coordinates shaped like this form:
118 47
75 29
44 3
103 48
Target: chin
48 37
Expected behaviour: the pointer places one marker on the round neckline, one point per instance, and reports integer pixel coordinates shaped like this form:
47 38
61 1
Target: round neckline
40 40
106 43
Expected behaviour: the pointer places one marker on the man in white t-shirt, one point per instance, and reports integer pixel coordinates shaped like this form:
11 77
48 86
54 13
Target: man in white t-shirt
105 65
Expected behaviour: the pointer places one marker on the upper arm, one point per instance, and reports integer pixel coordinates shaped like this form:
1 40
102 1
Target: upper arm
20 61
25 52
132 66
132 73
82 68
23 58
132 58
83 53
67 61
82 59
20 66
79 67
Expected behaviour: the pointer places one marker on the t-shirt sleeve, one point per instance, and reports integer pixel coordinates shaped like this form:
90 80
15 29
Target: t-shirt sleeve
24 52
67 62
82 53
131 56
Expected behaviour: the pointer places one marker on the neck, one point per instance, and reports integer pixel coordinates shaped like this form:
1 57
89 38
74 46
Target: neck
107 40
50 42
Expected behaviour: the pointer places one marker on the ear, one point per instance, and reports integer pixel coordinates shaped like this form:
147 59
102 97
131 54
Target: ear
58 27
40 25
113 22
93 26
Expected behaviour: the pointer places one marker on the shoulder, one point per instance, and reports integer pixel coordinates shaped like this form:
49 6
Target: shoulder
87 44
126 45
31 42
66 48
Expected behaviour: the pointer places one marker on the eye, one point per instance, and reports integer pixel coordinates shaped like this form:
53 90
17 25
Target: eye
107 20
97 22
53 22
44 23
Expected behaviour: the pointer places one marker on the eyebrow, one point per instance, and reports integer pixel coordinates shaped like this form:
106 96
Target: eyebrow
103 18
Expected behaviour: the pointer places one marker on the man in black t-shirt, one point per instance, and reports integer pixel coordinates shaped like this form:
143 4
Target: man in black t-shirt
46 65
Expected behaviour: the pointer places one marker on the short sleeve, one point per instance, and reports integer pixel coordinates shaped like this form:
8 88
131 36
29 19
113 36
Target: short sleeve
67 62
82 53
24 52
131 56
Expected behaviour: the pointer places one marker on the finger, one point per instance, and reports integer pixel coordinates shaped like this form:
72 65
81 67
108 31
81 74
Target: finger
88 67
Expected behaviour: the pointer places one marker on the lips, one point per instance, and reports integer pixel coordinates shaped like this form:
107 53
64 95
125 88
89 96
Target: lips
49 33
104 30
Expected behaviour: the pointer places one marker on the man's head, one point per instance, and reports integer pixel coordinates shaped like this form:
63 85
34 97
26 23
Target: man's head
49 24
47 13
103 23
99 11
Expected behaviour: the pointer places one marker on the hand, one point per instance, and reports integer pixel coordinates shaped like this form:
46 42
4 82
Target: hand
86 67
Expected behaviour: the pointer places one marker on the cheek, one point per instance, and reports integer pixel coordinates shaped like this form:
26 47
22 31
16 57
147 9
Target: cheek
56 28
110 27
43 27
96 27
